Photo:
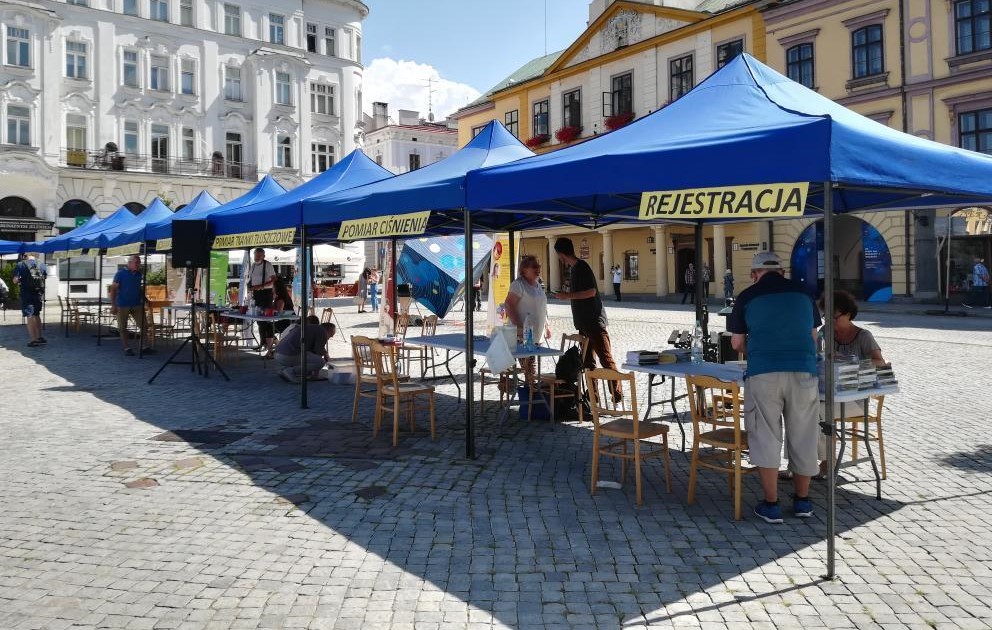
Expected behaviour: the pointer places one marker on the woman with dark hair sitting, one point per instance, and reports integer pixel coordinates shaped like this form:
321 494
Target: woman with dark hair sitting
282 301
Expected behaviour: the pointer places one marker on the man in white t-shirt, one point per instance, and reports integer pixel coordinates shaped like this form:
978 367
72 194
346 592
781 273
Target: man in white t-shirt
617 279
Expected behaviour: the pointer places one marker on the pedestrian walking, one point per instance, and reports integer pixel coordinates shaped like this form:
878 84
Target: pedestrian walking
29 275
979 285
617 279
690 284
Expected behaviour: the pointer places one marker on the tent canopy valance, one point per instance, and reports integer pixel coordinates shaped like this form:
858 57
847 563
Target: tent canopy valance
283 211
133 231
745 124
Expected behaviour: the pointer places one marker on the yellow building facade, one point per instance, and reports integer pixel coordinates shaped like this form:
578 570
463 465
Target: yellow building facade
632 59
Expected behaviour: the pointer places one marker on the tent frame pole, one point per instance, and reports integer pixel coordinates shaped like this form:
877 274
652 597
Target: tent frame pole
469 343
99 302
513 257
392 274
142 324
304 284
702 316
68 273
828 373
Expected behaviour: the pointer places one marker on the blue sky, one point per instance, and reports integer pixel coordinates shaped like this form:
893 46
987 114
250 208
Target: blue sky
467 46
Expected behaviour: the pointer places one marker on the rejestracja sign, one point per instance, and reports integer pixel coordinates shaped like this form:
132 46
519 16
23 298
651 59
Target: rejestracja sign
762 200
391 225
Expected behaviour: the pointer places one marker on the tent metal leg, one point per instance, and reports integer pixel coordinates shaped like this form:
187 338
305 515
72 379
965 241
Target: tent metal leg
392 274
99 304
702 315
68 273
469 343
142 324
828 369
304 289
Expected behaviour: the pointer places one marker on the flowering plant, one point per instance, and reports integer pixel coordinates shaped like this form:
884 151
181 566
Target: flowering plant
567 134
618 120
536 141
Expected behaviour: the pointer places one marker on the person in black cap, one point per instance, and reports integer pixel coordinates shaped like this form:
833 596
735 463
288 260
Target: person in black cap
588 314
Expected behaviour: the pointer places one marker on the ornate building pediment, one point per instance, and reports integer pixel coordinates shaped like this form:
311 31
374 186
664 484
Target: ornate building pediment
16 90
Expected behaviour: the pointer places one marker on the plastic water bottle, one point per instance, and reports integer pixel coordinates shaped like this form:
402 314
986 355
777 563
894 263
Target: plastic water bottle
528 333
697 344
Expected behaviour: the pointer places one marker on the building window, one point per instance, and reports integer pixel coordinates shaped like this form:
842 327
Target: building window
358 48
277 29
972 26
378 159
726 52
799 64
18 125
622 94
540 122
631 266
322 99
232 20
346 44
321 156
415 160
160 148
477 130
159 10
130 7
18 47
79 3
130 137
311 37
975 130
186 12
866 51
571 104
75 60
682 80
232 83
511 120
187 75
189 144
233 147
284 95
160 74
284 152
330 49
130 70
75 132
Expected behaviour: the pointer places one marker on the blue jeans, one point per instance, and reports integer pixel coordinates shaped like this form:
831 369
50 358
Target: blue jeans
374 291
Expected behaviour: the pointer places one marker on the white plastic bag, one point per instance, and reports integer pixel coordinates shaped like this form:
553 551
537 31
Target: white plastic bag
498 356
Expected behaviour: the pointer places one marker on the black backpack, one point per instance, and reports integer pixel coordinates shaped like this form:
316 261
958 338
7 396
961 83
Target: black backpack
35 281
569 366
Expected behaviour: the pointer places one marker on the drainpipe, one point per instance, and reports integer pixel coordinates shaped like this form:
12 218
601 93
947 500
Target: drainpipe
908 215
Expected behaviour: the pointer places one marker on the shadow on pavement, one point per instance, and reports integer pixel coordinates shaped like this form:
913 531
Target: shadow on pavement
515 533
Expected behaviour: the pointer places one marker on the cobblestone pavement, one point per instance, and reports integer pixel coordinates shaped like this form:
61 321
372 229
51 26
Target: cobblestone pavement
200 503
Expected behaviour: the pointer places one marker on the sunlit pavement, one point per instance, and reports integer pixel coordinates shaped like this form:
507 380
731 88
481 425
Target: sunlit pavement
201 503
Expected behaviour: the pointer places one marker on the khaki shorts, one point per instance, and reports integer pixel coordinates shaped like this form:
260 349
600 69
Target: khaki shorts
772 398
123 312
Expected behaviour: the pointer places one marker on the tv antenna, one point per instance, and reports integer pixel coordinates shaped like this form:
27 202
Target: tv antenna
430 99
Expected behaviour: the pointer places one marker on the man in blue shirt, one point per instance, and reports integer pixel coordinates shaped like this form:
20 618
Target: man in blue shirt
979 285
29 275
775 322
126 299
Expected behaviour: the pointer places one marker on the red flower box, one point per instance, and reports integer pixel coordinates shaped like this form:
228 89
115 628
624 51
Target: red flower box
567 134
619 120
537 140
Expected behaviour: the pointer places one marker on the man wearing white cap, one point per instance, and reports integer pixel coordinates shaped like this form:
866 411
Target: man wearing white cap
775 322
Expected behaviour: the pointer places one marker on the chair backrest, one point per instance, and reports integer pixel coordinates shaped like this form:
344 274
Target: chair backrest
384 360
715 405
402 323
327 316
429 326
361 352
601 383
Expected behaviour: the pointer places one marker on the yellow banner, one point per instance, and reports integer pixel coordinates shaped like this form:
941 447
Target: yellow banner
762 201
380 227
72 253
163 245
124 250
255 239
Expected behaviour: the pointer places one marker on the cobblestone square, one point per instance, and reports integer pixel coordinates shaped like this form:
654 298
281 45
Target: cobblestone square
201 503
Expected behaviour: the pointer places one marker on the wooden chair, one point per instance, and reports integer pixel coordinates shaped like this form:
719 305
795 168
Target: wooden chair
503 381
555 387
366 382
715 407
327 317
395 394
226 342
857 431
620 422
413 352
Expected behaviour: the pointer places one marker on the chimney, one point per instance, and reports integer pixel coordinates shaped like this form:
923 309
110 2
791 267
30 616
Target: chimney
380 115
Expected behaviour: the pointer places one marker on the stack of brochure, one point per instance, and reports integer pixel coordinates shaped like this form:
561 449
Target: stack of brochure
885 377
642 357
846 373
866 375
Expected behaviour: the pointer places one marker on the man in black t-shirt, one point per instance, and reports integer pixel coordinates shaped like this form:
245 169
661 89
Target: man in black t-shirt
588 315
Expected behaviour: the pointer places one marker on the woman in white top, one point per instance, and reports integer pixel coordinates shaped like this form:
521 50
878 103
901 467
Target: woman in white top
527 298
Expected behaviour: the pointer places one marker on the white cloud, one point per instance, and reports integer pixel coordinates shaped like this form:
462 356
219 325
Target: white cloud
403 84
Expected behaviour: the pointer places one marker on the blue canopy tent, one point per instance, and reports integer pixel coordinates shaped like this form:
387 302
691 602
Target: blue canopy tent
746 124
66 241
11 247
284 210
132 231
437 187
201 207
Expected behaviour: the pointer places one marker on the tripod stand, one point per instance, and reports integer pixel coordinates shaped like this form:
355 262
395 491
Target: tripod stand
201 365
